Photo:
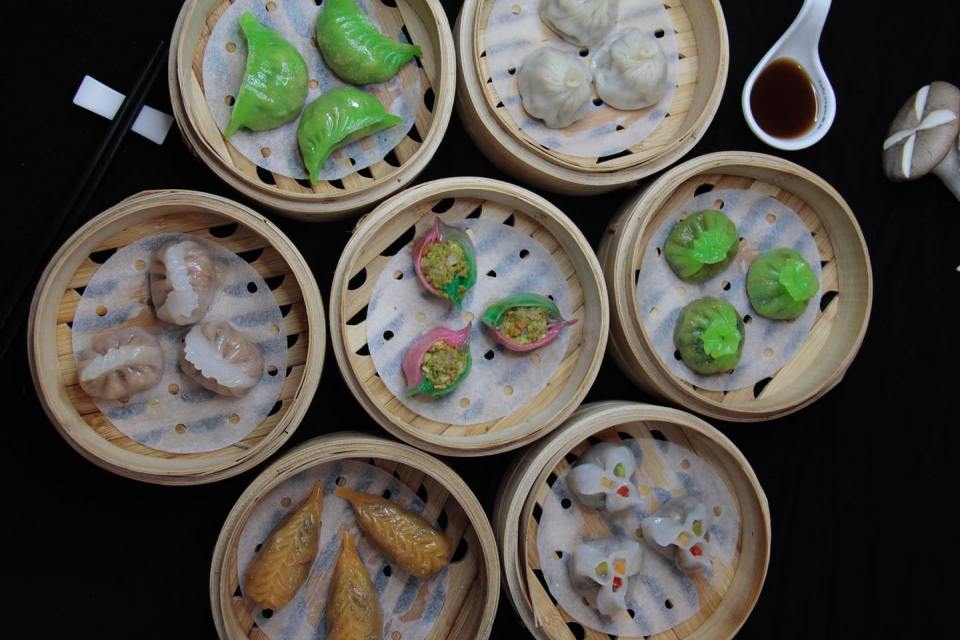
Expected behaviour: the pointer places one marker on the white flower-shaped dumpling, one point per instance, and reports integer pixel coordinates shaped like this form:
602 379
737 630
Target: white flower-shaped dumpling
606 565
221 358
183 280
680 530
120 363
631 70
580 22
602 477
555 87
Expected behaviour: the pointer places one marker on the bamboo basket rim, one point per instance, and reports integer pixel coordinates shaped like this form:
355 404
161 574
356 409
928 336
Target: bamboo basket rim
608 414
173 471
609 177
641 211
349 444
312 206
472 187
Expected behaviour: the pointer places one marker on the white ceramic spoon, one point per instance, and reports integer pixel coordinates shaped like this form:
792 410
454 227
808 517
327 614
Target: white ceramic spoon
800 43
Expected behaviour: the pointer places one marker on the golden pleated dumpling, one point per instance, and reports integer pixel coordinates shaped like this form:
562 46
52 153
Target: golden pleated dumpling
284 561
408 539
353 611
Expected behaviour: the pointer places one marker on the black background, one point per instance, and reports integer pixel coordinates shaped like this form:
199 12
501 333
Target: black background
859 484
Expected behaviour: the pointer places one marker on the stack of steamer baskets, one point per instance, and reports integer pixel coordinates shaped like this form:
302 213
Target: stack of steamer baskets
189 441
432 77
607 149
378 309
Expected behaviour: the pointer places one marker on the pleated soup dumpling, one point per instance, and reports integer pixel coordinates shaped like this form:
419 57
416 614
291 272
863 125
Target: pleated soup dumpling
285 559
275 79
580 22
221 358
555 87
631 70
183 281
120 363
335 119
354 48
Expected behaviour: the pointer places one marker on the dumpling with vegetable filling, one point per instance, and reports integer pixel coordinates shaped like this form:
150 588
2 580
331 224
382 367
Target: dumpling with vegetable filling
437 362
335 119
221 358
183 281
353 610
780 284
701 245
602 570
680 531
631 70
580 22
354 48
555 87
709 335
274 85
120 363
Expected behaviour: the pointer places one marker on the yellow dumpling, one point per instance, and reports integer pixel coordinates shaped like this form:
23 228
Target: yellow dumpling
409 540
284 561
353 611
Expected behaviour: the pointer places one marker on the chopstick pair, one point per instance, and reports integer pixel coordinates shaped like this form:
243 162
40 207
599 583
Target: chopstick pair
16 305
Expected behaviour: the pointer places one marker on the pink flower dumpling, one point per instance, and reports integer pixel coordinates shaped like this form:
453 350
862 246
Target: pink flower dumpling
438 362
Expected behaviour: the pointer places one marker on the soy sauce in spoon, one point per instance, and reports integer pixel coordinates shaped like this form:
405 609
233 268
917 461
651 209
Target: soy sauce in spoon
783 100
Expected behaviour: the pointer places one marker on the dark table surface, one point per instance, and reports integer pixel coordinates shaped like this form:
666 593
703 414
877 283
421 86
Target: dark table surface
858 484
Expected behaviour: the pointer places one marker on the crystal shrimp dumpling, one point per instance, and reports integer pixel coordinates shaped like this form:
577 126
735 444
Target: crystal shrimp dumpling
183 282
120 363
555 87
221 358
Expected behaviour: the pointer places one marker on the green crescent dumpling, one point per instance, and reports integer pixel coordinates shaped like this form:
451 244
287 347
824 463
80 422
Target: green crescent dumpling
780 283
353 47
274 85
709 335
335 119
701 246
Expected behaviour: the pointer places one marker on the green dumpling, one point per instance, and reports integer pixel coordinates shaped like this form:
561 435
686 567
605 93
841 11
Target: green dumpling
701 246
780 283
274 85
353 47
709 335
337 118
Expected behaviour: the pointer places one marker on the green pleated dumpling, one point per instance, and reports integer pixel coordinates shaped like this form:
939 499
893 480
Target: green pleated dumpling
354 48
780 284
701 246
709 335
274 85
337 118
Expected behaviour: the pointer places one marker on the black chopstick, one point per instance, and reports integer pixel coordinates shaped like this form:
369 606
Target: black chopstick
16 305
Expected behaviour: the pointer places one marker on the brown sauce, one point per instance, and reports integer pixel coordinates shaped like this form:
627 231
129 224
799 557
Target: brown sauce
783 100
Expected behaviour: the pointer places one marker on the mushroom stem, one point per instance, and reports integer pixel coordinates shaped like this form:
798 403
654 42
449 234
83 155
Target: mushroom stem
949 170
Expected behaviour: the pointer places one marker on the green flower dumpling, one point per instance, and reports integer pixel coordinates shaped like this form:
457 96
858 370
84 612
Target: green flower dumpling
274 85
335 119
709 335
353 47
780 283
701 246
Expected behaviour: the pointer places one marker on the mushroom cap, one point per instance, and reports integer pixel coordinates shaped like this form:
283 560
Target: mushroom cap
912 151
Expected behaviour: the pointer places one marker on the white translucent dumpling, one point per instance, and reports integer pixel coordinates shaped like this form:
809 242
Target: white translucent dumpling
555 87
120 363
602 569
183 281
221 358
580 22
603 477
680 530
631 70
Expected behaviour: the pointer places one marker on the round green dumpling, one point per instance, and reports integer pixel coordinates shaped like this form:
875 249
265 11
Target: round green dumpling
709 335
780 284
701 246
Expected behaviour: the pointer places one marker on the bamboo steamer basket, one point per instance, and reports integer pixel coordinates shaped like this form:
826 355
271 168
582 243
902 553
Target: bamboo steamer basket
365 257
427 25
202 215
473 590
701 33
846 287
524 488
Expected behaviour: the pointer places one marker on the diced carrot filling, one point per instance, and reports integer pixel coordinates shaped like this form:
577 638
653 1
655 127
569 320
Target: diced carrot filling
695 550
620 565
624 491
617 582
